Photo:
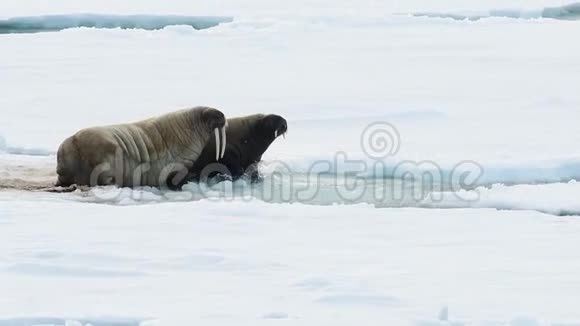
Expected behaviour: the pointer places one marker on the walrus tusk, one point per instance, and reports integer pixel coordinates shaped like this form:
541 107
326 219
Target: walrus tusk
217 144
223 142
276 134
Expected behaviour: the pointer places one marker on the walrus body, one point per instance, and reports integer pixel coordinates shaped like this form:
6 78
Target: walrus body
137 154
248 138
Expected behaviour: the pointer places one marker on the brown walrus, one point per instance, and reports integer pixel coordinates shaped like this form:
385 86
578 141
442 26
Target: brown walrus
141 153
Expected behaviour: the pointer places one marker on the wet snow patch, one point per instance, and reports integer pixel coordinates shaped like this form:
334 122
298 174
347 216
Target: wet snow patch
567 12
18 150
52 23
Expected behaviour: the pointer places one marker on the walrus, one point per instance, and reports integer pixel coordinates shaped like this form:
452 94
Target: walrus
248 138
141 153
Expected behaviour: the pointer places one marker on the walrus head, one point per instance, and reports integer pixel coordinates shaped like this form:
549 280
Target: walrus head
248 138
253 141
271 126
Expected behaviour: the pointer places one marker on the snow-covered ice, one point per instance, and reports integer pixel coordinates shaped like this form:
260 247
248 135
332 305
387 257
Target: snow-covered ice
487 109
247 263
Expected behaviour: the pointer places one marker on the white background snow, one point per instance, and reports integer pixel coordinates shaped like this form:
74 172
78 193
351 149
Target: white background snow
500 92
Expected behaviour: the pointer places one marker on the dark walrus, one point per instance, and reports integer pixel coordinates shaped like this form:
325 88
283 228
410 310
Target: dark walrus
248 138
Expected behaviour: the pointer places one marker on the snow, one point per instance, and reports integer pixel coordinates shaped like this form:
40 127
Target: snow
246 263
297 66
488 109
554 198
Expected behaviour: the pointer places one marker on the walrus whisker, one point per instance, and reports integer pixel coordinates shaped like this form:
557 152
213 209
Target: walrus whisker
217 144
223 142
